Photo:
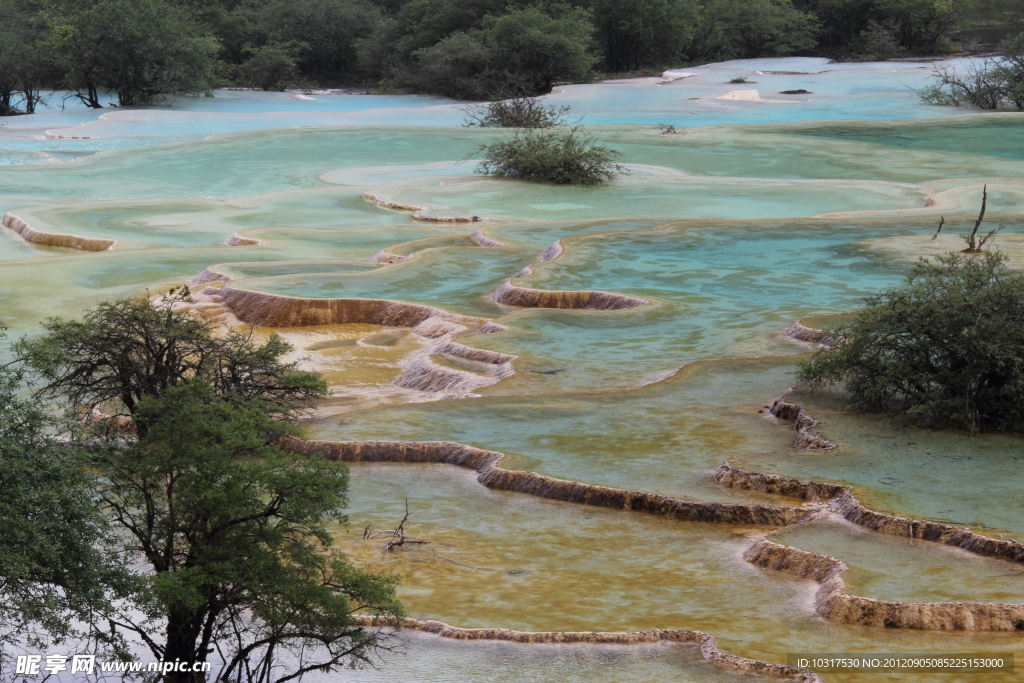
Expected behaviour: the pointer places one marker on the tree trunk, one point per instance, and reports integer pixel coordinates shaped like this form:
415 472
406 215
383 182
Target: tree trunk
32 95
972 244
183 626
90 97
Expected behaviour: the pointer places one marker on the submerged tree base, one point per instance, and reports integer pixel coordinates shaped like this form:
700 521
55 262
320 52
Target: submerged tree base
946 349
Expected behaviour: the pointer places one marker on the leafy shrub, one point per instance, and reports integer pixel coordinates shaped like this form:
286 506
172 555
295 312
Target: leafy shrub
935 93
565 156
947 348
518 112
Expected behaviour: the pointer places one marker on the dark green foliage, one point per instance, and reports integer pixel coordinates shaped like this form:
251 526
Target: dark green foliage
324 32
236 532
920 25
518 53
424 23
565 156
271 67
881 41
885 28
518 112
140 49
841 22
757 28
55 561
24 68
637 33
537 47
125 351
460 66
945 349
468 49
729 29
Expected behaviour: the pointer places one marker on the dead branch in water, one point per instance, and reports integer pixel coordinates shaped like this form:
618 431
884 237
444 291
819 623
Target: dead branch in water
973 246
399 539
942 220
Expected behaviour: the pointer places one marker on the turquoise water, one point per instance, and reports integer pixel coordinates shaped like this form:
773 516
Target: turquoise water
426 279
724 290
893 568
644 195
667 437
760 213
972 480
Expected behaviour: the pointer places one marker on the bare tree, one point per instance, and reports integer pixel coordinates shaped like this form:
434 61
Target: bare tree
399 539
517 112
982 85
971 238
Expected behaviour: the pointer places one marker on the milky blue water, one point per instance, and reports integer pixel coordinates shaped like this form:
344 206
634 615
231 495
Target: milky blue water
861 91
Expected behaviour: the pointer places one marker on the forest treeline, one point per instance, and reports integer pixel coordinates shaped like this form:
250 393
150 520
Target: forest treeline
139 50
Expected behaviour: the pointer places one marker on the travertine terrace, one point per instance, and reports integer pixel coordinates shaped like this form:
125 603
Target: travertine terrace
584 394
